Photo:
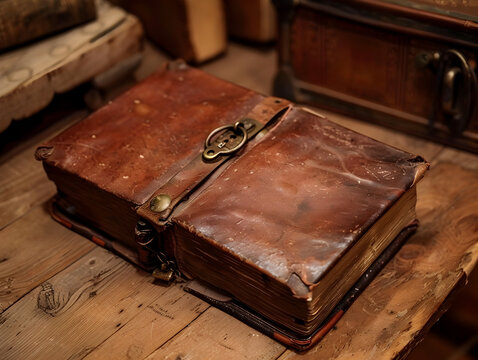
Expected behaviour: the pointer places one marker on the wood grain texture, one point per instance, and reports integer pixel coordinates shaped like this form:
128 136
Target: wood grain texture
215 335
414 289
59 63
23 182
154 325
23 185
72 313
28 258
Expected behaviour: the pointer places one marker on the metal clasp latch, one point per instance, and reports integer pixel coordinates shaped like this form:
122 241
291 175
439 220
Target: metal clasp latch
232 139
150 256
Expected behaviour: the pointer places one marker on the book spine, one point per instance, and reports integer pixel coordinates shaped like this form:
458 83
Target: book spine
25 20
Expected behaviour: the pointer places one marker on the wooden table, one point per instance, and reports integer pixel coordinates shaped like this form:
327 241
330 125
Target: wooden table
62 297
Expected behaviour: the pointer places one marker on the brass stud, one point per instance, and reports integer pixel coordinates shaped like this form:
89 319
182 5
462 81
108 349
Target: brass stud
160 203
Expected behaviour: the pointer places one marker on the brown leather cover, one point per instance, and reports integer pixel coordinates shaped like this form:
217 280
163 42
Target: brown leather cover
272 218
271 205
410 65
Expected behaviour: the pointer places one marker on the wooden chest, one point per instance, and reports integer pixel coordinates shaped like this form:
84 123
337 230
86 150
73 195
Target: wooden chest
409 65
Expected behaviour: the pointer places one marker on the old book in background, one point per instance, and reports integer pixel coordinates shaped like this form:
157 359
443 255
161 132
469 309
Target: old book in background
31 75
25 20
188 29
410 65
278 207
251 20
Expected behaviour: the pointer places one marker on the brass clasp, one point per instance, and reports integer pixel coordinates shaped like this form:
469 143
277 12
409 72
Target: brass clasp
232 139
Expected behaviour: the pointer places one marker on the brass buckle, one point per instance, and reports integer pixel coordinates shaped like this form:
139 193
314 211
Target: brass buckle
231 140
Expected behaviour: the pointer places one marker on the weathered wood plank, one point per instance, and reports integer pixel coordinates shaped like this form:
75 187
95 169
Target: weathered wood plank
216 335
152 327
58 63
413 290
24 183
33 249
75 311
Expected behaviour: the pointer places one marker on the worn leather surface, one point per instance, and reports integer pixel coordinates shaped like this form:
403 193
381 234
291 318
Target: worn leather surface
132 146
300 198
197 170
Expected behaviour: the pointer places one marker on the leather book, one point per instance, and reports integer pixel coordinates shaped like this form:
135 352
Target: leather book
407 64
270 204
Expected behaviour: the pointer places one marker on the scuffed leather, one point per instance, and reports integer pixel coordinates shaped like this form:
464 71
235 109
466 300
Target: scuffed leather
133 145
296 201
196 171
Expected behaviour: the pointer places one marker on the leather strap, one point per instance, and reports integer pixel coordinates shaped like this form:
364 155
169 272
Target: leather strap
161 204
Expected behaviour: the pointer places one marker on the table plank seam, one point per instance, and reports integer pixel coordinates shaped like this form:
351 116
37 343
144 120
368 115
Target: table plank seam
178 333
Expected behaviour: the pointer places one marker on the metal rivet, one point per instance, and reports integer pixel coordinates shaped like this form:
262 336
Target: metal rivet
160 203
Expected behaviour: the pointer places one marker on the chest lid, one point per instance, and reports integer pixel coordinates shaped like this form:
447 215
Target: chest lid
454 20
